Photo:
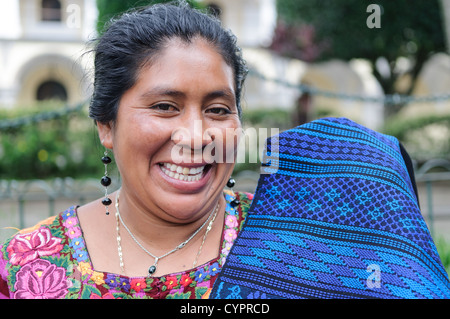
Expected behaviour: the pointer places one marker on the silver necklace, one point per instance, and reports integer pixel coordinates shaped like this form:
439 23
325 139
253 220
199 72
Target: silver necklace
152 269
204 237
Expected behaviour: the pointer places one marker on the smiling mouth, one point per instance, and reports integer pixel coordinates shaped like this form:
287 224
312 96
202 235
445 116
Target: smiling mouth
183 173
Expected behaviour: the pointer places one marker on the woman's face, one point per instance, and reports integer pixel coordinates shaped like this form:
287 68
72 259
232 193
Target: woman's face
176 132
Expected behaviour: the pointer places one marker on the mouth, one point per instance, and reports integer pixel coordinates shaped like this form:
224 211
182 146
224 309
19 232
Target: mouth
184 173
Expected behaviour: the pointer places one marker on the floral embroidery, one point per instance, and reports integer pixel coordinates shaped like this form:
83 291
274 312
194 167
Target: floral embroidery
111 281
77 243
186 280
200 275
138 284
51 261
231 221
74 232
40 280
124 284
68 213
85 268
97 277
171 282
47 221
70 222
105 296
214 269
230 235
80 255
227 248
26 247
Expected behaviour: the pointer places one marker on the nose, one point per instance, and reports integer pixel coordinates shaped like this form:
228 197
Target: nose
192 134
193 140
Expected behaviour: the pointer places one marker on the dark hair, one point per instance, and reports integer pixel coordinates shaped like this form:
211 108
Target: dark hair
138 36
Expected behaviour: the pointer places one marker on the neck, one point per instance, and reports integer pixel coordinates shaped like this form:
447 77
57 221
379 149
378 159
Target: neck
160 235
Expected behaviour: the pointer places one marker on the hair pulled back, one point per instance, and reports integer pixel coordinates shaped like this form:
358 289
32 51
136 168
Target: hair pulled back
136 37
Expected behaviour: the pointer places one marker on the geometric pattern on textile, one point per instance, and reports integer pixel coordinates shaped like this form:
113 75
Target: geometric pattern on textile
334 215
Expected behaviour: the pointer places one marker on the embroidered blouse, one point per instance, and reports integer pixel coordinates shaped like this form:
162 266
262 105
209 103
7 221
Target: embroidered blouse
50 261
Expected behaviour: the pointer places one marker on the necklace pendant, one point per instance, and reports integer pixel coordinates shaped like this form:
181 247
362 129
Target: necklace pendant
151 270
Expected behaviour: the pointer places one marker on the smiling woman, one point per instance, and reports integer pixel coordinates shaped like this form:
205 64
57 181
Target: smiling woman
160 72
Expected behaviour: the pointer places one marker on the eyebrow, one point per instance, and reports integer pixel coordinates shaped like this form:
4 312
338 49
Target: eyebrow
163 91
158 91
225 93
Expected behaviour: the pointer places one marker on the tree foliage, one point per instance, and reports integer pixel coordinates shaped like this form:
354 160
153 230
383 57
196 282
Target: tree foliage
338 29
107 9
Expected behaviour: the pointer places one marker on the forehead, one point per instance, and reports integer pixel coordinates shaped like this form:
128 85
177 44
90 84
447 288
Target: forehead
196 64
195 48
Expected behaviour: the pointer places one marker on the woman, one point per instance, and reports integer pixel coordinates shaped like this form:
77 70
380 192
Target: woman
167 91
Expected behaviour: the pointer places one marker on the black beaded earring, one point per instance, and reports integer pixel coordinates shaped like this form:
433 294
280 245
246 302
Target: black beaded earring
106 181
231 182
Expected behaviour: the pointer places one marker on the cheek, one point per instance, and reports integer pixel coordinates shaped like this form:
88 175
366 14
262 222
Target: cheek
140 138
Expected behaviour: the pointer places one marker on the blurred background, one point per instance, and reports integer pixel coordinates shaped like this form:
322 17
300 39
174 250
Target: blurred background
384 64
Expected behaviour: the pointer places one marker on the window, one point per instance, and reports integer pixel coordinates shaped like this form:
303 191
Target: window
51 90
51 10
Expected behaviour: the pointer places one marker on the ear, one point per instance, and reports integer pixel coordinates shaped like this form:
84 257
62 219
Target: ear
105 133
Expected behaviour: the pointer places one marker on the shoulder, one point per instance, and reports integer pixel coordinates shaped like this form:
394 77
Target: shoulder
33 249
43 223
43 239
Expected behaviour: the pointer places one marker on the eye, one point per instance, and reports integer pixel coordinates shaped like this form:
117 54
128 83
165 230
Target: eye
218 110
164 107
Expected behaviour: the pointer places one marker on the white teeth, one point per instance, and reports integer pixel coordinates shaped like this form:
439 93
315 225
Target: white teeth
182 173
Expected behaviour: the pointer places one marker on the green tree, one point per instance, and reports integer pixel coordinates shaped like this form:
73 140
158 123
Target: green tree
319 30
107 9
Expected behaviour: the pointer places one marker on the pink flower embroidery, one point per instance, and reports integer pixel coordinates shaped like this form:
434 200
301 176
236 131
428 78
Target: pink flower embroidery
230 235
26 247
40 280
70 222
73 232
231 221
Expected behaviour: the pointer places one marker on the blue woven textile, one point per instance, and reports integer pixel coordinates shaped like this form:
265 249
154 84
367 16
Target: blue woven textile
335 215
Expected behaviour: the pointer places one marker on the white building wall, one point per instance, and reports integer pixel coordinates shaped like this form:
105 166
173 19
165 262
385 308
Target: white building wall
33 51
252 21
